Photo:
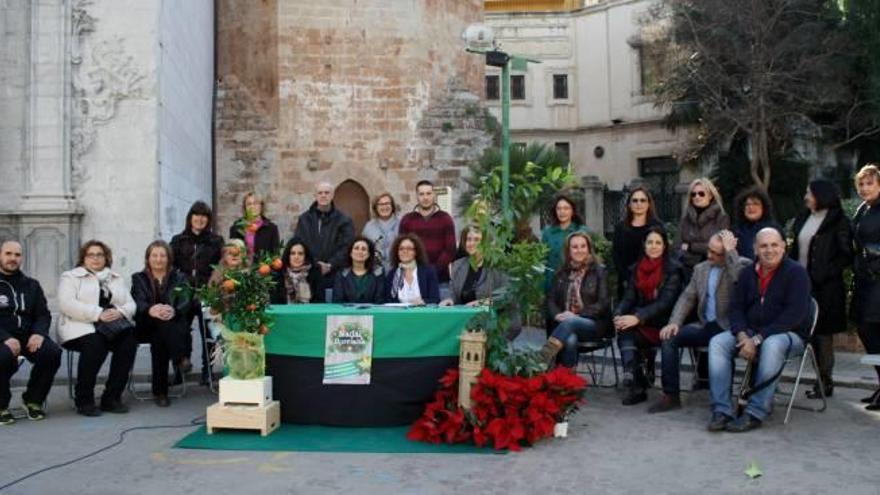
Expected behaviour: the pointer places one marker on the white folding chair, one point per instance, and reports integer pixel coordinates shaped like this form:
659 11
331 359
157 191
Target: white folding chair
137 390
808 351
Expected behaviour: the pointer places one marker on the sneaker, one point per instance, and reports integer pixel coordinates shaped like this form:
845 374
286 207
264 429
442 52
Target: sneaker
34 411
742 424
88 410
666 403
115 407
6 417
718 422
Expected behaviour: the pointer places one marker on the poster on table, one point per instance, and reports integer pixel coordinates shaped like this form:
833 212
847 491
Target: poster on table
348 350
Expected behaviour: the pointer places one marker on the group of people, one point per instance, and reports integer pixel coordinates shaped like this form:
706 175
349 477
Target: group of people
734 289
730 288
401 259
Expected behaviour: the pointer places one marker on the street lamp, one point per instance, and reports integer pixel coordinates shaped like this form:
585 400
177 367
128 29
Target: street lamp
480 38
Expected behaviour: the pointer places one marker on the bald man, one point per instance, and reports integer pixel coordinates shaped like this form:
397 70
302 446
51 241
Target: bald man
24 331
327 233
769 321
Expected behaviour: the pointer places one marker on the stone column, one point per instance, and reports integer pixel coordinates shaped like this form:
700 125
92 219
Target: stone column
594 203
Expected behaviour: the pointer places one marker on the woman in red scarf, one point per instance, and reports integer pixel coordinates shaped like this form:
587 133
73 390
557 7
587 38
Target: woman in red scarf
653 288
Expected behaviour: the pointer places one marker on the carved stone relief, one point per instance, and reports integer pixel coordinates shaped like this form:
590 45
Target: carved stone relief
102 74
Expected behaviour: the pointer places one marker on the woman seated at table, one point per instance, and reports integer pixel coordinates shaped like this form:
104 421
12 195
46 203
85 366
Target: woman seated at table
411 279
363 280
578 302
96 313
655 283
469 285
297 282
162 315
232 257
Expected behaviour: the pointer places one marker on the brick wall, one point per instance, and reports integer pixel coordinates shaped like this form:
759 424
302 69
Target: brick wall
374 91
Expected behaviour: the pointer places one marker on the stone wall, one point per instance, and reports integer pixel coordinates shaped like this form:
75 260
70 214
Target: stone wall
14 56
373 91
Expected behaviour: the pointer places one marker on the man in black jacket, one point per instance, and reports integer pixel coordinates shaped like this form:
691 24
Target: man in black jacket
327 232
24 331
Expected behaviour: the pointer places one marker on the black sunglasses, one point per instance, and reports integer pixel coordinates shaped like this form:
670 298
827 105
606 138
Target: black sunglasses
698 193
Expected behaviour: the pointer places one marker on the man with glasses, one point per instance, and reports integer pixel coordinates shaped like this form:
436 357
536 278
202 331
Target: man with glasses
24 331
709 289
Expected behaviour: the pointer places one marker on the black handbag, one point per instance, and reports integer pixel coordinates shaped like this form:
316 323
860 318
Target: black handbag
111 330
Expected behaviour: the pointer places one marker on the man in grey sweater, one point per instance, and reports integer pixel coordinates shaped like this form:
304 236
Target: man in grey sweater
710 289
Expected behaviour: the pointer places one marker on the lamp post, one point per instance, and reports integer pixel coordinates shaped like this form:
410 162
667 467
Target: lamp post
479 38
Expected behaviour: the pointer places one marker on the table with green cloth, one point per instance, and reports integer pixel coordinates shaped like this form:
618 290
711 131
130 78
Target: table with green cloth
412 348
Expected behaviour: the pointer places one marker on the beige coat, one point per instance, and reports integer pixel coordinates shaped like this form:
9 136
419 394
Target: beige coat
78 296
696 291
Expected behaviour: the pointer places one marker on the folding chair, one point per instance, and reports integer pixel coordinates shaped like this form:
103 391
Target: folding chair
808 351
133 388
210 340
589 348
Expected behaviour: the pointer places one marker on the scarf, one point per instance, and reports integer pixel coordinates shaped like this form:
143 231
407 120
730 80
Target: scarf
576 273
297 284
251 237
764 279
397 282
649 274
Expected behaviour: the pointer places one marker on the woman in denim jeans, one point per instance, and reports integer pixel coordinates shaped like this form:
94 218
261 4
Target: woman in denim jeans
578 302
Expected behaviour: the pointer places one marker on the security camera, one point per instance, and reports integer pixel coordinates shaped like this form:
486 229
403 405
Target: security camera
479 37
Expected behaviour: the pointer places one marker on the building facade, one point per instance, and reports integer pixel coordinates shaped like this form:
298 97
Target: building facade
588 96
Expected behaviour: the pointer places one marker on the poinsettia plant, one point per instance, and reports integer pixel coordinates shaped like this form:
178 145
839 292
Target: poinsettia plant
507 412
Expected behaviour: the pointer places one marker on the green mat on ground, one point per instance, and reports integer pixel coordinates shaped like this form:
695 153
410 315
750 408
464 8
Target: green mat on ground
310 438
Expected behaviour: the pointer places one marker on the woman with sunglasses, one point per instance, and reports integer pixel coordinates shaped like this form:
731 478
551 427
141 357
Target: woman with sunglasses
628 242
703 217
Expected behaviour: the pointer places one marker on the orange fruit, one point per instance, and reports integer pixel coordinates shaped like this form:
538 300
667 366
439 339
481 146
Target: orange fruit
229 285
264 269
264 329
276 264
251 307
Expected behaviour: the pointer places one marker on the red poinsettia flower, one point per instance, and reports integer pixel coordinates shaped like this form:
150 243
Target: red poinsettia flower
450 378
506 432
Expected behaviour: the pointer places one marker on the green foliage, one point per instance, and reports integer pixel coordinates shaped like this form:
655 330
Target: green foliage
536 174
521 260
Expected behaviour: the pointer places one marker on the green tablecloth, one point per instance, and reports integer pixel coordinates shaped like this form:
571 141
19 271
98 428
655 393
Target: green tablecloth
398 332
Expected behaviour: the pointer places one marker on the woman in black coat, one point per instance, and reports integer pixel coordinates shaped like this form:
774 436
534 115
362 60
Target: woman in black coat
823 245
628 243
259 234
654 287
363 280
754 211
162 315
298 280
865 308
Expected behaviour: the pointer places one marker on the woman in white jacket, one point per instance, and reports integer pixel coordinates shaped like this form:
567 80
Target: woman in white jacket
89 294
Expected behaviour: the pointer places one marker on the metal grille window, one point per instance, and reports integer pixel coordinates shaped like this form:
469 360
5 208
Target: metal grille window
518 87
661 175
564 148
493 91
560 86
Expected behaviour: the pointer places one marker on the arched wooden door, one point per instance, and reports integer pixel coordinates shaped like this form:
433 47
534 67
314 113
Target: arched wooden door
352 198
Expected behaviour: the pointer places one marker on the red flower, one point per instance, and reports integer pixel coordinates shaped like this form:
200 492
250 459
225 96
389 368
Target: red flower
506 432
450 379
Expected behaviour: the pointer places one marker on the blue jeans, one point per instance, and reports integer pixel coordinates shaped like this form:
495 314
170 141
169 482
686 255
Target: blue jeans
570 332
772 353
693 335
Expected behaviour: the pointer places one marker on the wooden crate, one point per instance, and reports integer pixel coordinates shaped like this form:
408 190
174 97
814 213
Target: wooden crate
254 392
265 418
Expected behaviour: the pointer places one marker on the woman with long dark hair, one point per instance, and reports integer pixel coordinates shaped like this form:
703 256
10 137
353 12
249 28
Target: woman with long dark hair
865 308
564 219
655 284
363 279
162 315
298 281
823 245
628 243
